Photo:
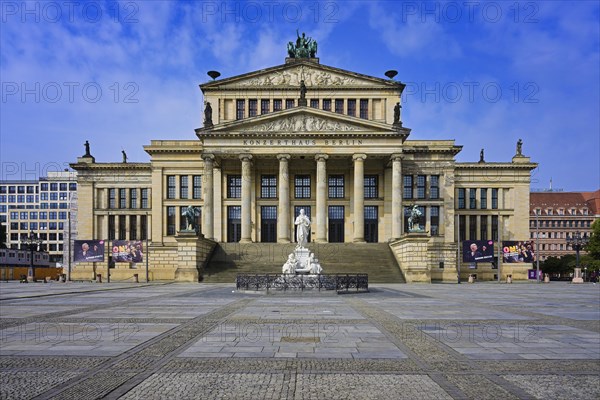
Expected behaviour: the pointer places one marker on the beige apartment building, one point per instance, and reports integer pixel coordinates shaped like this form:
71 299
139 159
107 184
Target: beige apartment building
303 135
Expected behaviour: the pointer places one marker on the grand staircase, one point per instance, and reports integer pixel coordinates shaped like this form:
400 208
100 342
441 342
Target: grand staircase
375 259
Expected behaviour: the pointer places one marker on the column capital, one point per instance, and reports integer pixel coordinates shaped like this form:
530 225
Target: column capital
208 157
245 157
321 157
282 157
396 157
359 157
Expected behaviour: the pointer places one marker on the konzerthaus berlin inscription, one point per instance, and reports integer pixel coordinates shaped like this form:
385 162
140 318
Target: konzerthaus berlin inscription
303 135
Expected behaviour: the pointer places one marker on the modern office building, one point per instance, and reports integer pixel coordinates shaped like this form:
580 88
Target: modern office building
557 215
41 207
303 135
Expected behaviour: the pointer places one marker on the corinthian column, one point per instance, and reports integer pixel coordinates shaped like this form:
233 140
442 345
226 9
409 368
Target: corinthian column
396 196
321 198
208 210
283 220
246 198
359 197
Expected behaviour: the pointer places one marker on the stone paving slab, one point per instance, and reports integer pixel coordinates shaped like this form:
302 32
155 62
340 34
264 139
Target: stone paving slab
481 341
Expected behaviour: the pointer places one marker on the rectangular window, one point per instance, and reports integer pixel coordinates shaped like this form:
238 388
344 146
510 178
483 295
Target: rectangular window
2 189
364 108
265 106
314 103
183 187
327 104
122 227
352 107
339 106
62 215
495 199
63 186
461 198
336 186
240 109
33 226
43 215
132 227
434 187
472 227
61 196
302 186
72 186
435 220
408 187
25 215
252 108
371 187
495 228
53 197
483 198
145 198
24 226
171 187
277 105
33 215
290 103
133 198
268 186
143 227
20 189
112 198
31 190
123 198
483 225
111 227
170 220
182 219
197 186
54 186
472 198
421 186
234 186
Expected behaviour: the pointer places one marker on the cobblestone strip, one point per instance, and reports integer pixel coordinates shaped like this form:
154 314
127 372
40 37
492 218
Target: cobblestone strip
124 372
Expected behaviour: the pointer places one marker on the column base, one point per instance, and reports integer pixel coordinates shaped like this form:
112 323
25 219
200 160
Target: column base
245 241
321 240
283 241
359 241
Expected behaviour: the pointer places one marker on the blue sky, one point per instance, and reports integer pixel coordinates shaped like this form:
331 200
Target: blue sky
482 73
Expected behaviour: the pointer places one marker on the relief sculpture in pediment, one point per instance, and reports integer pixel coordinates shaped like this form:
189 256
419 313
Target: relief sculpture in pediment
301 123
292 77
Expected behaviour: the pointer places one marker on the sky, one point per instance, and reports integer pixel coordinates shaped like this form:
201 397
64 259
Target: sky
120 74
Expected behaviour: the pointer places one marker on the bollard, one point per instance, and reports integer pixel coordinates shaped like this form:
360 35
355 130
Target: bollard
509 279
135 278
98 278
471 278
546 278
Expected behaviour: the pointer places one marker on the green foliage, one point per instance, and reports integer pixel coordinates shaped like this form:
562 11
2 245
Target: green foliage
562 265
593 247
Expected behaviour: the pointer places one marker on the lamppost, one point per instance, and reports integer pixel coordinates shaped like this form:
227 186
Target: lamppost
577 242
33 241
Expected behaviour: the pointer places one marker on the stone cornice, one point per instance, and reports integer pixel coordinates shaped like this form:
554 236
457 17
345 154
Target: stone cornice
495 165
111 166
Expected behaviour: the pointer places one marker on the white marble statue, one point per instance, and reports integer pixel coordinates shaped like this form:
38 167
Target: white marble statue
290 265
302 228
315 267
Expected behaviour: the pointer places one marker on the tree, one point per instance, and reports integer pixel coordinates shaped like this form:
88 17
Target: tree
593 247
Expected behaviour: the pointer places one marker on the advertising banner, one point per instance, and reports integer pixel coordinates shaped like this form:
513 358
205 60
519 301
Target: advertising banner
517 252
475 251
88 251
129 251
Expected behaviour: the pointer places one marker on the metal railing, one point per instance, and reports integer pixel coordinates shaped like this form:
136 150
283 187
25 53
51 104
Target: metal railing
337 282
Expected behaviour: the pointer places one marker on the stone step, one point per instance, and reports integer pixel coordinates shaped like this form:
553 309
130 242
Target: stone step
375 259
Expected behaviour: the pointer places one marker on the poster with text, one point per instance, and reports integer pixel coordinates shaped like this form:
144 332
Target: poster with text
475 251
129 251
88 251
518 252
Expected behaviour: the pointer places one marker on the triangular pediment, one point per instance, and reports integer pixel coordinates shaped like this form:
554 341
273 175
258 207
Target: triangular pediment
303 120
289 76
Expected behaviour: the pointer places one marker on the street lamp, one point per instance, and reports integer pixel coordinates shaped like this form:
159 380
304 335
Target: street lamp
577 242
33 241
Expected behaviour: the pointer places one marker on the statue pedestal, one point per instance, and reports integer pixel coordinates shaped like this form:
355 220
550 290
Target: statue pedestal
412 256
192 255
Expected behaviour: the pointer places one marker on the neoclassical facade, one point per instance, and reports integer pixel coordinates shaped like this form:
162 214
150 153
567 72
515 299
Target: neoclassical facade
303 135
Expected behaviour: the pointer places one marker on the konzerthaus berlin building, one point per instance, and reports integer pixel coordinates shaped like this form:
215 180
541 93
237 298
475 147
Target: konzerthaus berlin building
303 135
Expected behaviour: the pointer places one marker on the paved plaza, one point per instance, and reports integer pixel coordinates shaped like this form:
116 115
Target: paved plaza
185 341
